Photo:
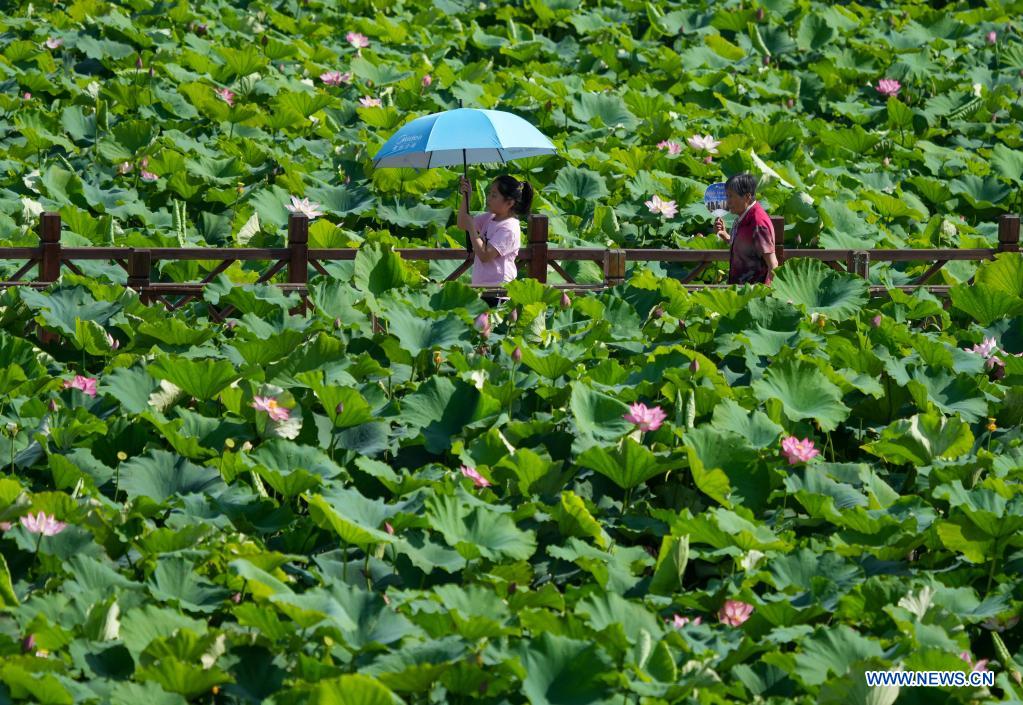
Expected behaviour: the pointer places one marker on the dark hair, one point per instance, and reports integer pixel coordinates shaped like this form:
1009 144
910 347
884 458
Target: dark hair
742 185
514 190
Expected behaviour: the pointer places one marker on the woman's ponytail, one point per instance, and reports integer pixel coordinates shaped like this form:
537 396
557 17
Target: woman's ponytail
521 192
525 202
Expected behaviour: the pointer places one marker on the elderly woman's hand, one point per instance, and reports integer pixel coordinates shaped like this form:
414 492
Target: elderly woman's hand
719 227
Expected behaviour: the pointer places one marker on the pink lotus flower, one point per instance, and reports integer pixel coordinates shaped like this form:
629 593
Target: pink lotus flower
992 37
978 667
678 621
54 43
305 207
226 95
986 348
667 209
647 418
113 342
798 451
271 407
672 148
335 78
148 176
704 142
708 159
125 168
43 524
482 324
734 613
86 385
888 86
27 96
370 102
359 41
5 526
476 478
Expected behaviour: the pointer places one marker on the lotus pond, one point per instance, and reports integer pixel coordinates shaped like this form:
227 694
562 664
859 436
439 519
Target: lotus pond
642 495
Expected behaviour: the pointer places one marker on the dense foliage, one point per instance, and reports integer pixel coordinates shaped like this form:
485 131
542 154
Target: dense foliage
644 495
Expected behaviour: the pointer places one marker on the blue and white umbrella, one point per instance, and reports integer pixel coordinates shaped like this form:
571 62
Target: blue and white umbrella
462 136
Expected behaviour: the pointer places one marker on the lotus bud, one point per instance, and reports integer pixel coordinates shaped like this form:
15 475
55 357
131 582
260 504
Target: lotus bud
388 528
28 644
138 61
760 14
264 40
53 406
681 325
708 159
437 359
565 300
337 323
517 354
766 61
694 366
427 80
514 316
876 321
236 598
791 103
511 588
230 325
339 409
658 312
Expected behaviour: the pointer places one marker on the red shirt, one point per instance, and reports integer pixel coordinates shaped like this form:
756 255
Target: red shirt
752 238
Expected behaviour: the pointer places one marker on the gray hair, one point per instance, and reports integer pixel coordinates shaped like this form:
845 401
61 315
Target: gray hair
742 185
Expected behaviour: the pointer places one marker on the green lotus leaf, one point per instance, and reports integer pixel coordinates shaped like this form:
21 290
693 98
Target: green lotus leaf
607 109
1004 273
352 690
477 531
202 379
417 333
378 268
563 671
174 579
598 415
980 192
922 439
160 475
804 393
820 289
985 303
415 667
187 679
1008 162
833 652
354 518
442 409
579 184
628 466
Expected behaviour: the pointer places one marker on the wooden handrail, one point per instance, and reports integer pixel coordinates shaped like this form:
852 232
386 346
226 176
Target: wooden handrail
537 255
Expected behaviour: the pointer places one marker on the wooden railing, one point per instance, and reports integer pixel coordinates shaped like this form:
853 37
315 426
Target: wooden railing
297 258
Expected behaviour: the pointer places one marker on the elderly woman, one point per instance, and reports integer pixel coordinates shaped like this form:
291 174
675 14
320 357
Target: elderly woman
751 257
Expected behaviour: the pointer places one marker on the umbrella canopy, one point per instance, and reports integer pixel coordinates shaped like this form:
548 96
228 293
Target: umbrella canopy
460 137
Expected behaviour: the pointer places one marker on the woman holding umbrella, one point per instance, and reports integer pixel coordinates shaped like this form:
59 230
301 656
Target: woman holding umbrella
495 235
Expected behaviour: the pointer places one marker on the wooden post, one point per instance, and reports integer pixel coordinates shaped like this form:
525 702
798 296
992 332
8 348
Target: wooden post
858 263
298 244
1008 233
49 243
614 267
538 247
298 262
778 223
140 263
